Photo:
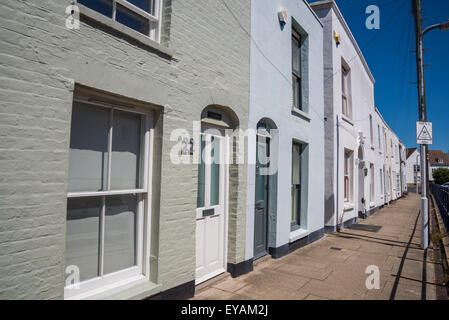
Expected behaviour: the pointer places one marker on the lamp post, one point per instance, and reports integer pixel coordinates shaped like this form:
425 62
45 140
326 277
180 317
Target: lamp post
419 34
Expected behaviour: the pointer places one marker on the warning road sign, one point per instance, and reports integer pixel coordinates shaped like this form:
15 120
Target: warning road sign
424 133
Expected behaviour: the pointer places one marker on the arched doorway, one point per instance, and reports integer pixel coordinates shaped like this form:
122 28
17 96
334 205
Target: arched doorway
265 187
213 192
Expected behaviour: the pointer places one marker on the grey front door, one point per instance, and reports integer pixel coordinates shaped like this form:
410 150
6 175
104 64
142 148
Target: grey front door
261 201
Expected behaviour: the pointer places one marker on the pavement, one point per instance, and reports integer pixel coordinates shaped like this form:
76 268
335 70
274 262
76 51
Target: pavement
335 266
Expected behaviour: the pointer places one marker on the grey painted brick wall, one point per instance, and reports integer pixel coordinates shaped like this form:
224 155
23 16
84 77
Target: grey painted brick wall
330 123
42 62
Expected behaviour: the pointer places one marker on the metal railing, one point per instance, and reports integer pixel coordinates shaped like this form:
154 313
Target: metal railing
442 199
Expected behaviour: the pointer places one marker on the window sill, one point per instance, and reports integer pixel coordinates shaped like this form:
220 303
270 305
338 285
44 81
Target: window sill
298 234
137 292
112 290
116 26
348 206
301 114
345 118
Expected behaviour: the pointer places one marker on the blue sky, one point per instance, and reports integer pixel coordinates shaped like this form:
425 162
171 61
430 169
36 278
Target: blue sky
387 52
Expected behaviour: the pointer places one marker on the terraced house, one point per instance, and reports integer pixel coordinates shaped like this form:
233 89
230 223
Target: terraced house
284 205
360 171
87 113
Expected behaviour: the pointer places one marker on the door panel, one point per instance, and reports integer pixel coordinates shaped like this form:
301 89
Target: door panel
210 214
261 200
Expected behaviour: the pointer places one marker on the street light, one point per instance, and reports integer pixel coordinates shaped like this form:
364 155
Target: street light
444 26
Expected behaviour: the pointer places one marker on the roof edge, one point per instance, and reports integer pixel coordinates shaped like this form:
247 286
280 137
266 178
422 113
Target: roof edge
331 4
313 12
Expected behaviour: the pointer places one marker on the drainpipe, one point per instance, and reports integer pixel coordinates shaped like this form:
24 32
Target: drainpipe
338 167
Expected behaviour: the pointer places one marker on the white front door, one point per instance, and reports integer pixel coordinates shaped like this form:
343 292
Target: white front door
211 210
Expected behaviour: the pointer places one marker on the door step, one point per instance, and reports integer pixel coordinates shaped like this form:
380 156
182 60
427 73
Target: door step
209 283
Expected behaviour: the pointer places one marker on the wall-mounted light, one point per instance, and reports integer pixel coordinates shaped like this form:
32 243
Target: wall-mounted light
283 16
337 38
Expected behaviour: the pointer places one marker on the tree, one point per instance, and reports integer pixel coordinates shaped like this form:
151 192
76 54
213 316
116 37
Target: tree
441 175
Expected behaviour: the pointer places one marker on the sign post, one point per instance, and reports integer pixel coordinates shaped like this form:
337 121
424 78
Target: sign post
423 138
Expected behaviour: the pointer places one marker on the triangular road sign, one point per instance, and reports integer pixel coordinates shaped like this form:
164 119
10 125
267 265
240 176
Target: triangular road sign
424 134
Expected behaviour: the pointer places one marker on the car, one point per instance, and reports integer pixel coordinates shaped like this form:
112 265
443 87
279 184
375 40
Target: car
445 186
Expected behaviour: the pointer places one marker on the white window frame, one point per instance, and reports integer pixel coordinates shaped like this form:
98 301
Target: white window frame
154 20
296 220
297 77
380 141
371 131
381 183
348 175
122 279
345 83
398 182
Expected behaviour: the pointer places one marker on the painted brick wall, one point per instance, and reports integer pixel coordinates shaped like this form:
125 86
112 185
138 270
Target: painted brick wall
41 62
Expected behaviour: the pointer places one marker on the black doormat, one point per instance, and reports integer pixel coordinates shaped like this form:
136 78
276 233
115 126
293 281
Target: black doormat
365 227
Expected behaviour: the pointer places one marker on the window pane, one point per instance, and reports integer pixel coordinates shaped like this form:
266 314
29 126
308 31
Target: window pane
88 148
126 141
294 91
201 174
296 56
296 183
296 205
132 20
146 5
83 235
120 233
345 81
102 6
298 94
346 164
215 172
296 166
345 106
346 190
262 163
